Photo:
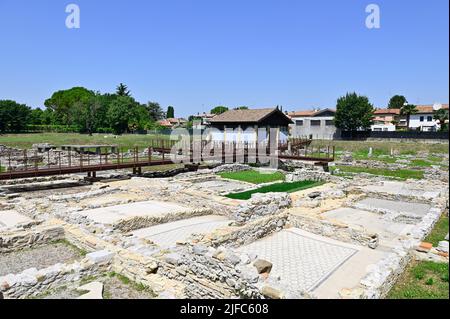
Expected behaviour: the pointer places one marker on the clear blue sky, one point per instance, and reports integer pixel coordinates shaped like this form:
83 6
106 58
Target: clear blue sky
195 54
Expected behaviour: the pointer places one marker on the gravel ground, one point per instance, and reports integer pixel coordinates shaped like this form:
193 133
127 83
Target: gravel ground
113 289
39 257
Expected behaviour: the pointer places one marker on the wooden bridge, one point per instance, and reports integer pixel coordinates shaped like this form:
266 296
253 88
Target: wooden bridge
157 154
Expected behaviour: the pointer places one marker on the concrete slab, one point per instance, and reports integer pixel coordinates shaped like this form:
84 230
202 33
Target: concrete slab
302 260
167 235
349 274
113 214
222 186
400 188
414 209
11 218
389 232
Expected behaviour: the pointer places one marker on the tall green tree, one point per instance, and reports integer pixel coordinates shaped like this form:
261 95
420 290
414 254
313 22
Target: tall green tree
36 117
122 90
155 111
88 113
219 110
62 103
13 116
441 116
397 102
121 113
408 110
170 112
353 112
241 108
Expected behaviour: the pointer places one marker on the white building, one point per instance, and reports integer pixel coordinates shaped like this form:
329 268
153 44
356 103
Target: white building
424 119
252 125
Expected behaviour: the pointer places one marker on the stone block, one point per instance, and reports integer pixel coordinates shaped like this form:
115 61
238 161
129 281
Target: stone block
100 257
173 259
425 245
262 266
272 293
443 246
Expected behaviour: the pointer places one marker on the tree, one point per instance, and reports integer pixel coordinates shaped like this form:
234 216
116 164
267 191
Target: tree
353 112
87 110
241 108
219 110
13 116
155 111
122 90
63 101
36 117
121 113
397 102
170 112
441 116
408 110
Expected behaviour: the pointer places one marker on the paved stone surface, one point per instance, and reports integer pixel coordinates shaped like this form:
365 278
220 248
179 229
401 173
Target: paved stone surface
301 259
416 209
110 215
95 290
400 188
222 186
10 218
388 231
166 235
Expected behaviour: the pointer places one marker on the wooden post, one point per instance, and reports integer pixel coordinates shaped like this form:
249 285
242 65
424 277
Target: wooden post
25 159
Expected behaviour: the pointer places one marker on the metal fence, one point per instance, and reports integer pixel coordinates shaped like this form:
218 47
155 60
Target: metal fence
363 135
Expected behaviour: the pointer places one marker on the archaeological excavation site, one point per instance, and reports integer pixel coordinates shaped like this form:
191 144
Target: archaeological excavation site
303 230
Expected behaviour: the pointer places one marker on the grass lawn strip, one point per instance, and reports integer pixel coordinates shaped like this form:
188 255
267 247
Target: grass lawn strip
254 177
276 188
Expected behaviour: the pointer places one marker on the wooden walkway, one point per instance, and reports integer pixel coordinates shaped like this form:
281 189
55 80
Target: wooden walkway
230 153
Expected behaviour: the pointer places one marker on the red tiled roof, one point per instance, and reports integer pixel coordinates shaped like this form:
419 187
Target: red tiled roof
387 111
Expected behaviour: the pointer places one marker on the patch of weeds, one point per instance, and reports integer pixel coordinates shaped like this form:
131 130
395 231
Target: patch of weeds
422 280
65 242
439 231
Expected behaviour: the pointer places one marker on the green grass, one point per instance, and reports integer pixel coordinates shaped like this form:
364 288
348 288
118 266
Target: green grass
276 188
124 141
422 280
439 232
384 148
254 177
421 163
399 173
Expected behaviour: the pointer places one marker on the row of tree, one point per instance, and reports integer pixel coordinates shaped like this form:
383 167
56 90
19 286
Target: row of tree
86 111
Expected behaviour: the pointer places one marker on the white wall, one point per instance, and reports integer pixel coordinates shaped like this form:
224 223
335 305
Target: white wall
415 122
383 127
323 132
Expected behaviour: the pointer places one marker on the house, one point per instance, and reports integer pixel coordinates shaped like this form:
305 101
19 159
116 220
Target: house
202 121
173 122
314 124
387 120
250 125
424 120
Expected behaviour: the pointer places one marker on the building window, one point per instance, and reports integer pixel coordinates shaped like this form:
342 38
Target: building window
315 122
429 118
329 122
377 129
422 119
299 123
